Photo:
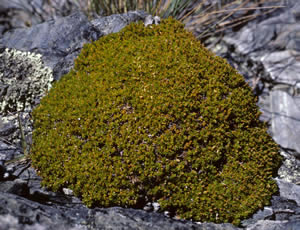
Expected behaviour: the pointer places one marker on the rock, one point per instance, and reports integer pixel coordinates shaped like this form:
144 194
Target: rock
290 169
114 23
31 213
150 20
17 187
266 214
118 218
285 115
23 14
6 129
275 225
289 191
276 45
58 52
8 151
285 209
25 78
2 170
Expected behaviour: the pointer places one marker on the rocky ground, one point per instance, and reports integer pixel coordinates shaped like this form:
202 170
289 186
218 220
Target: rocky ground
265 51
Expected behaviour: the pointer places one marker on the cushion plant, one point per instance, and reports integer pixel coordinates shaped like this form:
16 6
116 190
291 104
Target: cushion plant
148 114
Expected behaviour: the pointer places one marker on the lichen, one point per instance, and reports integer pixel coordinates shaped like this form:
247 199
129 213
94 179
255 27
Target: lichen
24 81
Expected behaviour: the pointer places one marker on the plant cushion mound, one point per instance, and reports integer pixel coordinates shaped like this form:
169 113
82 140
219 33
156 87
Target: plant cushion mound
149 114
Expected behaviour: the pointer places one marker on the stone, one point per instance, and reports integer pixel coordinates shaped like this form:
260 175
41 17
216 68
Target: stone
107 219
2 170
26 81
275 225
8 151
274 41
31 213
114 23
290 169
289 191
18 187
285 209
266 214
58 52
150 20
285 109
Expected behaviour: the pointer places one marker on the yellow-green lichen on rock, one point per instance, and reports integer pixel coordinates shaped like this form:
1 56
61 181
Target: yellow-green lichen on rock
148 114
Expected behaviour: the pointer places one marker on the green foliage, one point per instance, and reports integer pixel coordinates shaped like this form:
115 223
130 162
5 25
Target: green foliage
148 114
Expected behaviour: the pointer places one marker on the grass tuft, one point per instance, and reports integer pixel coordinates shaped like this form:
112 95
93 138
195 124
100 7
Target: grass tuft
205 18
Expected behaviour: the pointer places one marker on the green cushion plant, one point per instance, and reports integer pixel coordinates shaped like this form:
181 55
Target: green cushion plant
148 114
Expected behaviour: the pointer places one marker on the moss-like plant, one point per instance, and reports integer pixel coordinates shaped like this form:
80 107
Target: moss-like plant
149 114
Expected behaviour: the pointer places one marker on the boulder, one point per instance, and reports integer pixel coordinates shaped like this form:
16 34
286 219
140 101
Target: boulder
274 42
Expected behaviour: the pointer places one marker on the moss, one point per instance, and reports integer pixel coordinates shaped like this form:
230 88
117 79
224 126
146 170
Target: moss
149 114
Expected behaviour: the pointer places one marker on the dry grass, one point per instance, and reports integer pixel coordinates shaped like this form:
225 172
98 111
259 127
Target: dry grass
204 17
218 18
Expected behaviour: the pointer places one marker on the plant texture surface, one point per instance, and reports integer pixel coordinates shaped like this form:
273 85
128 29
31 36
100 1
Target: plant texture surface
148 114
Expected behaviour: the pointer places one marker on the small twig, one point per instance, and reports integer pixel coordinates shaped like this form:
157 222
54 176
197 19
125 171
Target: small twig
23 140
24 157
8 142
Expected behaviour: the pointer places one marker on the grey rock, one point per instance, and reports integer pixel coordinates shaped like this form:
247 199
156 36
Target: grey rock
290 169
67 191
156 206
118 218
31 214
26 80
74 216
275 43
24 13
114 23
69 211
285 209
6 128
289 191
282 208
150 20
18 187
266 214
58 52
285 107
8 151
275 225
148 207
2 170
